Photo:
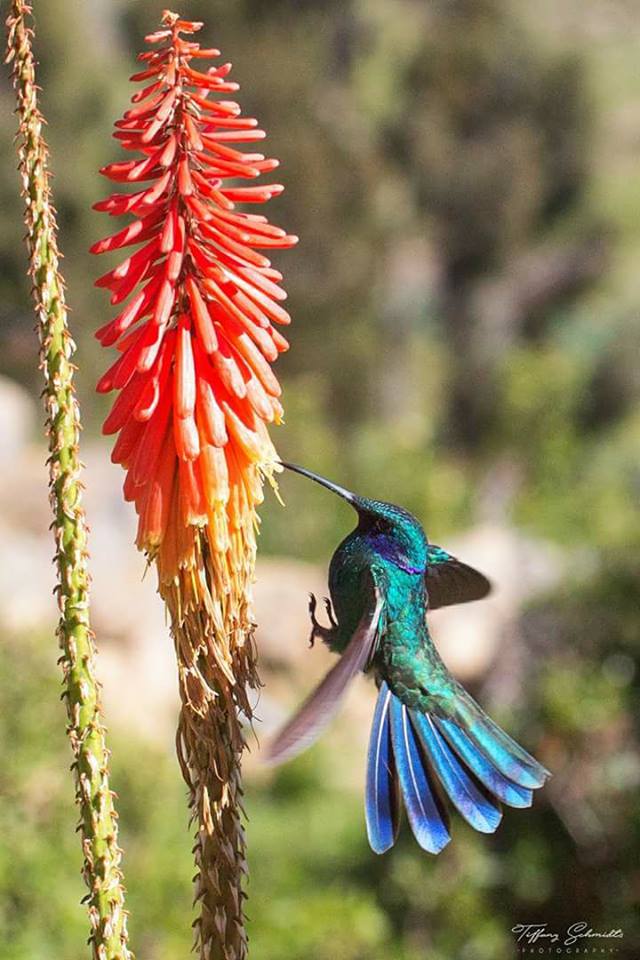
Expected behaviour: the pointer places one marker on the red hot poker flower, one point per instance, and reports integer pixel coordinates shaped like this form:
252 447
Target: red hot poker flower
199 304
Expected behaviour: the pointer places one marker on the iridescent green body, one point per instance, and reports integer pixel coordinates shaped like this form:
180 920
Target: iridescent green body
370 558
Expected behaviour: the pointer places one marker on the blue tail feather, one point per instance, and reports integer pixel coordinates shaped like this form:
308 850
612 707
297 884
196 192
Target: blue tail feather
425 816
476 808
500 786
508 756
382 806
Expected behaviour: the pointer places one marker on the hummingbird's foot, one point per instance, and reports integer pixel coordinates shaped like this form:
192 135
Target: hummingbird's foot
315 626
317 629
329 609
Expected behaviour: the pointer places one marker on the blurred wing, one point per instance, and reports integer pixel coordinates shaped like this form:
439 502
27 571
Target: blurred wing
316 712
449 581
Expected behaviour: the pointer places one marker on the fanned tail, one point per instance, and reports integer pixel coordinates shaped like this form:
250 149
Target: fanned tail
424 758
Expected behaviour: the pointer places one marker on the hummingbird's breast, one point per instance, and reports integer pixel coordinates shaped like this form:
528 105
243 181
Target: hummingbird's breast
406 657
354 567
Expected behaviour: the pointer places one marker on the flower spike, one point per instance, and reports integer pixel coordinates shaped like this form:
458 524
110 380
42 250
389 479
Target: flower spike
196 330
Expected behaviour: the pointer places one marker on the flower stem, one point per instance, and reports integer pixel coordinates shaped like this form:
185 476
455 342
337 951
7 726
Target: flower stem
98 818
213 634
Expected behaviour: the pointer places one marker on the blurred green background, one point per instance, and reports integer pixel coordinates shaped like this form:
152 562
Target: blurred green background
465 179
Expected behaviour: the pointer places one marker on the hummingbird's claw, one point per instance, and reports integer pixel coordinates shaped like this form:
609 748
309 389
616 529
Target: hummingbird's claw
317 630
315 626
329 609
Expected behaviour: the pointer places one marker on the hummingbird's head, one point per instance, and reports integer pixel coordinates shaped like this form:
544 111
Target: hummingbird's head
392 531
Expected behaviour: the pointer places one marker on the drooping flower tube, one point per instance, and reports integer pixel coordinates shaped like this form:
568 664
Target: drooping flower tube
199 313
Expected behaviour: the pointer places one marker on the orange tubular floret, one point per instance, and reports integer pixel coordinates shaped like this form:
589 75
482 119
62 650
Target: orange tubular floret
195 330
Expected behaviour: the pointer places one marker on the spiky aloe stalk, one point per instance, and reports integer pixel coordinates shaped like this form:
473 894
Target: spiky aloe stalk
98 819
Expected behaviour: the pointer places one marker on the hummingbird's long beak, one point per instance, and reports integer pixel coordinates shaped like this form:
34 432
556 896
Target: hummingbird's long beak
345 494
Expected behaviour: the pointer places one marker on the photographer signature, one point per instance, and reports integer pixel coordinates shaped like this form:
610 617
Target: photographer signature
531 933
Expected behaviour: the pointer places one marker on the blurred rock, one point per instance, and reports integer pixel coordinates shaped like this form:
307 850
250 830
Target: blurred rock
26 576
17 419
26 581
281 599
136 665
519 567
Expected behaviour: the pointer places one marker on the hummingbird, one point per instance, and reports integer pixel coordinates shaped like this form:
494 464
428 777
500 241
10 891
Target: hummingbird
431 745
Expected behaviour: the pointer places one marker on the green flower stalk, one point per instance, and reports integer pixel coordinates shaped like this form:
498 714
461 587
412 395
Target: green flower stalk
98 819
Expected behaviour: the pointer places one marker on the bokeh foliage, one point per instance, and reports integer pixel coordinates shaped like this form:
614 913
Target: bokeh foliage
465 179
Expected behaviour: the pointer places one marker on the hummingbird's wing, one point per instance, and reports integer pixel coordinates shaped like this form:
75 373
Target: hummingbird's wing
317 710
450 581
